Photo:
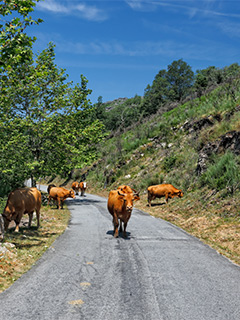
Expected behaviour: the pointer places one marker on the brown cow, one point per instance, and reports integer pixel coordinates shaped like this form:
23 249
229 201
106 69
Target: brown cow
20 201
60 194
83 187
120 206
76 187
163 190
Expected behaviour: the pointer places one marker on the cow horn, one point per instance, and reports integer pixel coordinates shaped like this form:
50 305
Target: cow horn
121 194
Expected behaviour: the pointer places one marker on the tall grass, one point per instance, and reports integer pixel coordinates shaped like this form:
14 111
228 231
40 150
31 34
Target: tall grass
224 173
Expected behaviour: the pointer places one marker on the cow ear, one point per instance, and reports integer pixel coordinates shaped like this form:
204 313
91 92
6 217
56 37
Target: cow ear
120 196
136 196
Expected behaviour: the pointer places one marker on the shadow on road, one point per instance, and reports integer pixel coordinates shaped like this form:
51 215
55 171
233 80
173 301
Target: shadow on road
128 237
83 201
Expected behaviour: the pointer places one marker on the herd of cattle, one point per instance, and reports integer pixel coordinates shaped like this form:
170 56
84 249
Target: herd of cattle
120 203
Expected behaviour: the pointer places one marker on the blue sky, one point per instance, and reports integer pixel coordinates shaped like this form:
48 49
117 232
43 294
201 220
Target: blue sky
120 45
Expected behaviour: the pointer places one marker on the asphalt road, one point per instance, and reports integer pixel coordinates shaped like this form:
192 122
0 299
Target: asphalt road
158 272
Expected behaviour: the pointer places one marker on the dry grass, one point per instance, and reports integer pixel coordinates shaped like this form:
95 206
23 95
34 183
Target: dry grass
19 251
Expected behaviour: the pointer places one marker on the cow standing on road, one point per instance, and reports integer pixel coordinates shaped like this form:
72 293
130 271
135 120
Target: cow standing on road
83 187
163 190
76 187
60 194
120 206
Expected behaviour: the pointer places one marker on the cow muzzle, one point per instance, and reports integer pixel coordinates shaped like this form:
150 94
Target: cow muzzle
129 208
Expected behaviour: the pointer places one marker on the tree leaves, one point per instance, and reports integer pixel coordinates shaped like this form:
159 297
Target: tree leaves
47 124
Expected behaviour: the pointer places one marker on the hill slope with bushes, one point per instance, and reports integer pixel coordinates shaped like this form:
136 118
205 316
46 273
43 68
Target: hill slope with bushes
193 145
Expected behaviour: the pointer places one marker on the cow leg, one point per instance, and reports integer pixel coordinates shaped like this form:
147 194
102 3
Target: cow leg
59 203
166 197
17 221
38 217
49 198
115 224
120 228
30 216
149 199
124 231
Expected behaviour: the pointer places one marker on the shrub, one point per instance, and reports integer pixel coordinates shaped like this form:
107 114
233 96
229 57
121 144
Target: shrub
224 173
169 162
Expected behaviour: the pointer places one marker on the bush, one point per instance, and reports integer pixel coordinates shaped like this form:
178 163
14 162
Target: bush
224 173
169 162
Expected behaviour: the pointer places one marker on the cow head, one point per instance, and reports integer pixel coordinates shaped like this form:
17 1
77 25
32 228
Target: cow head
180 193
71 194
1 228
127 189
128 199
8 215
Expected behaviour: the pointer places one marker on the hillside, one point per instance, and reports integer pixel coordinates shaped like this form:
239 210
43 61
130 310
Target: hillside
196 147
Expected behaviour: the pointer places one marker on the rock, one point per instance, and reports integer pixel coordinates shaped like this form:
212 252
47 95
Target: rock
194 126
229 141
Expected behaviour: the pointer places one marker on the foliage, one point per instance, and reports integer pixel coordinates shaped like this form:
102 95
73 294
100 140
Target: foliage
169 162
15 44
169 85
155 95
180 80
47 125
121 115
224 173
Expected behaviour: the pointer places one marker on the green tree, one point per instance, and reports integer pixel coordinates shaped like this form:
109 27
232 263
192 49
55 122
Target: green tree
180 80
206 78
15 44
15 49
156 94
100 109
50 122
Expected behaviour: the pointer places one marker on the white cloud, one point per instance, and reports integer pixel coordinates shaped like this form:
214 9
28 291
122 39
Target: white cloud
51 5
142 5
191 7
230 29
87 12
135 49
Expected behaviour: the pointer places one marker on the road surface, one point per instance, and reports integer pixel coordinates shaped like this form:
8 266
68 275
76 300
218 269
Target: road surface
158 273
